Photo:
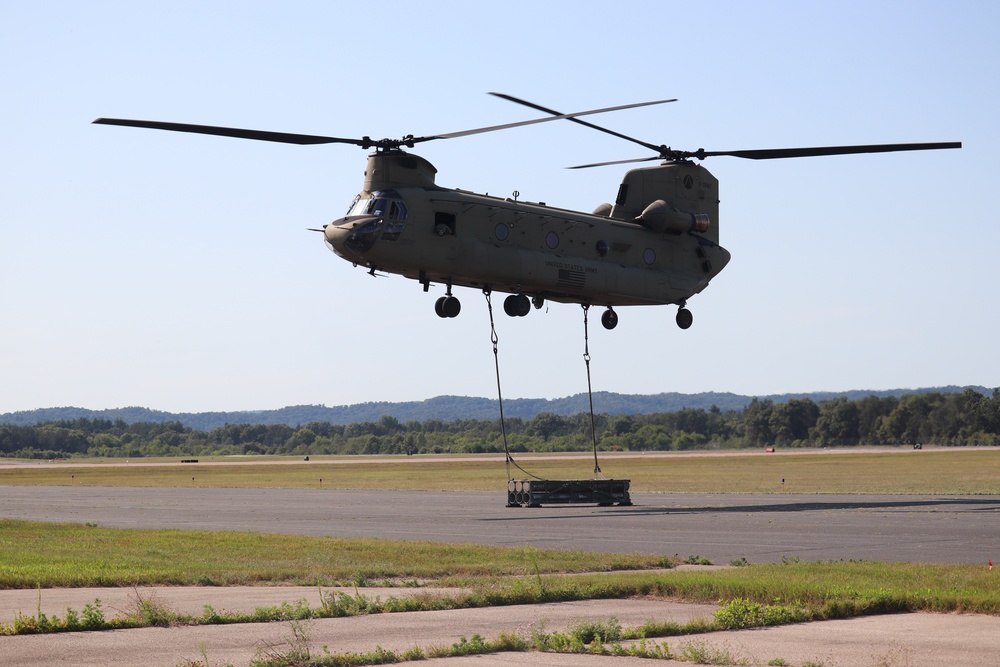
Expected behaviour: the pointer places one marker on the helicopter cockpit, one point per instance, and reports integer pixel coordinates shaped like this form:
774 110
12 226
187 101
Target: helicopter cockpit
382 217
384 203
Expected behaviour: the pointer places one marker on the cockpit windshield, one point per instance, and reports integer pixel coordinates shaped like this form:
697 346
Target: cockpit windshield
385 204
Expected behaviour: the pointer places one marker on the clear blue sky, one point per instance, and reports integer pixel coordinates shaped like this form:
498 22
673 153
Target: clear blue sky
176 271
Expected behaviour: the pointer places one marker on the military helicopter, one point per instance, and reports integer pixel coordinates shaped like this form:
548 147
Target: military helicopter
658 244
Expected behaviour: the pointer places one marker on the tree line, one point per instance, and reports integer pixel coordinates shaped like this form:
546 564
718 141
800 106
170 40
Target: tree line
966 418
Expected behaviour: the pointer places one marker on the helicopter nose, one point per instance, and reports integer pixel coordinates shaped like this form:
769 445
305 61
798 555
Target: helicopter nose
336 237
354 238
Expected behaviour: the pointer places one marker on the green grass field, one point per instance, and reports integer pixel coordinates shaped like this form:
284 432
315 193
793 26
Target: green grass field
901 471
74 555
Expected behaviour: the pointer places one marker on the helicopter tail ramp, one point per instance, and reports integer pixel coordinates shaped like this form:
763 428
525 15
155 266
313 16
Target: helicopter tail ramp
536 492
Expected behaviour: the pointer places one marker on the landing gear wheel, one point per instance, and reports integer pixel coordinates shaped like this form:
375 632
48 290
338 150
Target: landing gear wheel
684 318
517 305
447 306
523 305
537 301
609 319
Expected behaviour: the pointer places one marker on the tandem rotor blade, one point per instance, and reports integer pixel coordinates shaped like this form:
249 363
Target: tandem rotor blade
259 135
364 142
538 107
779 153
567 116
605 164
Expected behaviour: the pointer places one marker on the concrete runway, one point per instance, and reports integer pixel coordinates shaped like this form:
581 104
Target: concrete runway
760 528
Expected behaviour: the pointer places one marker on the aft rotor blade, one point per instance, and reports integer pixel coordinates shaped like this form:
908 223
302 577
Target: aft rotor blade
668 154
259 135
570 116
605 164
778 153
538 107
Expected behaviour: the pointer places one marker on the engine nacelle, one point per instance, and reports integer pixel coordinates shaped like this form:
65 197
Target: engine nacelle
662 217
604 210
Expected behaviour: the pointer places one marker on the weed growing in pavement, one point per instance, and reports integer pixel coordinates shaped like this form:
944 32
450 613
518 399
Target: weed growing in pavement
697 560
742 613
92 619
602 631
702 654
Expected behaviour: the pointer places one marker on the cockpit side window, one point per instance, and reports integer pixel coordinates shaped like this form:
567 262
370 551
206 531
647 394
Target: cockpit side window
397 210
378 207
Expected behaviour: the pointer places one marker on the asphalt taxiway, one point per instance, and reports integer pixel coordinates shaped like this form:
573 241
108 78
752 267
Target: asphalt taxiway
719 527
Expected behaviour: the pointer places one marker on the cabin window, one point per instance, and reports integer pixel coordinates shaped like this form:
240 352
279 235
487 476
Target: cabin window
649 256
444 223
500 232
552 240
602 248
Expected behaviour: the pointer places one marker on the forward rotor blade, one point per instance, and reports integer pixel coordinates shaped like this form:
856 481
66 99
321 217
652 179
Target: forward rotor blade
569 116
366 142
538 107
259 135
778 153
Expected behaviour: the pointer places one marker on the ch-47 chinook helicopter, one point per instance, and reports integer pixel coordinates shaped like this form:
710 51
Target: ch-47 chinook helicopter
657 244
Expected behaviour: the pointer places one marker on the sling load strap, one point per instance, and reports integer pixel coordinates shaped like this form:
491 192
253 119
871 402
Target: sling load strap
496 358
590 391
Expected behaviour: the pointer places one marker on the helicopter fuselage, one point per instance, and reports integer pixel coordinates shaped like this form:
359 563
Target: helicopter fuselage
403 223
658 243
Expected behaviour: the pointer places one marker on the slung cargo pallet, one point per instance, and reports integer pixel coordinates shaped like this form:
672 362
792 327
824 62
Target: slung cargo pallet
536 492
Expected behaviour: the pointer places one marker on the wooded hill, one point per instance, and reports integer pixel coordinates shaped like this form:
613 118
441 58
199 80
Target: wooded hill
956 418
448 408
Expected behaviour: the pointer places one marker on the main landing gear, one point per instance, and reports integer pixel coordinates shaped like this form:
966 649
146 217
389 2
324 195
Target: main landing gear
684 318
448 305
517 305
